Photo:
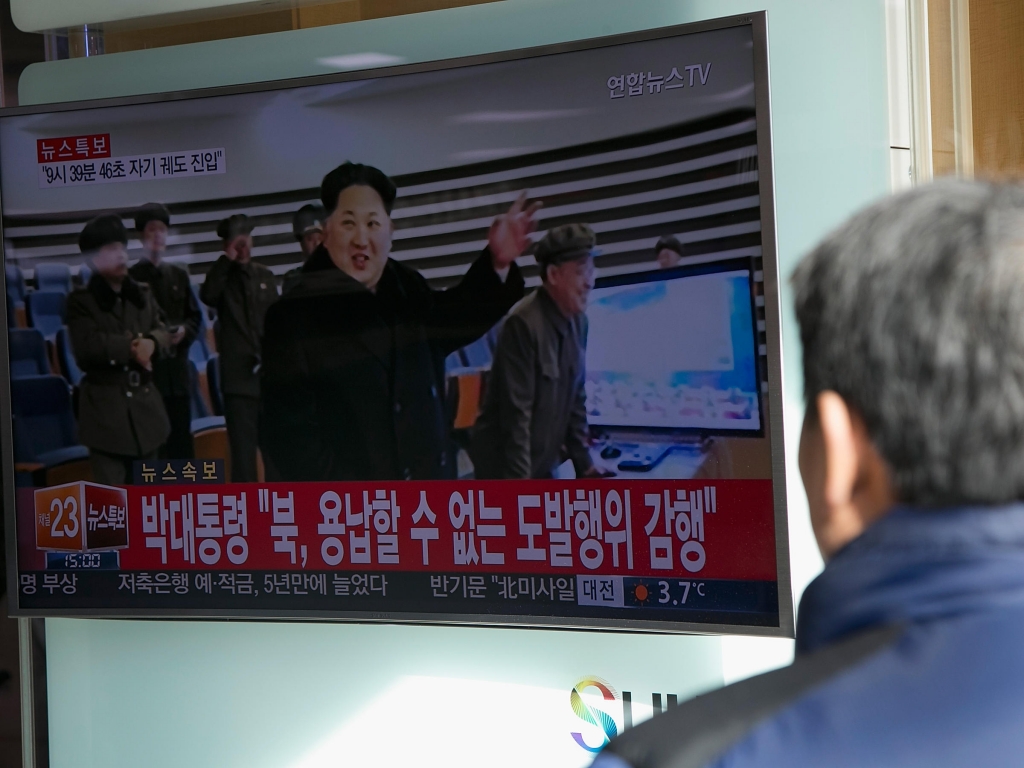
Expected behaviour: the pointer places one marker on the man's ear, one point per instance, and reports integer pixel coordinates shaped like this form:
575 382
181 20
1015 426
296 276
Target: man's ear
840 448
857 487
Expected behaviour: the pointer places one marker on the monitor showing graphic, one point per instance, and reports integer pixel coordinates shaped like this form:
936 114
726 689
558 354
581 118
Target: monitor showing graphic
674 350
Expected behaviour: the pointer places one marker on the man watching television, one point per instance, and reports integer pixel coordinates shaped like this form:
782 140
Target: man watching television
908 647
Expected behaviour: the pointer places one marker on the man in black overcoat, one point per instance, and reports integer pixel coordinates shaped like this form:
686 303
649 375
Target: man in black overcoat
117 333
172 290
353 375
241 291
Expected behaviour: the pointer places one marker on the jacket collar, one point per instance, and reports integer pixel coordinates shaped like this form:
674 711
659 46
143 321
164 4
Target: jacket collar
147 267
321 276
917 565
318 261
106 296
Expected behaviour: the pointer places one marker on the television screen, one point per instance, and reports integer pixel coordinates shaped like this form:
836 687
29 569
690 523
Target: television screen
489 340
674 350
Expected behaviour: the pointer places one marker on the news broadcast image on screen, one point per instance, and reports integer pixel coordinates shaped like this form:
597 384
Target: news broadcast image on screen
492 341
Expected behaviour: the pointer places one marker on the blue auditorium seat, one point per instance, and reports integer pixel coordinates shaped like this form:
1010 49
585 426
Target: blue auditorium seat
44 425
475 356
213 380
15 284
199 407
202 419
53 277
199 352
28 353
65 357
84 273
46 312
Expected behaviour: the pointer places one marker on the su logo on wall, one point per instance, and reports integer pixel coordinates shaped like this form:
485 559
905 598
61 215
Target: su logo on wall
606 709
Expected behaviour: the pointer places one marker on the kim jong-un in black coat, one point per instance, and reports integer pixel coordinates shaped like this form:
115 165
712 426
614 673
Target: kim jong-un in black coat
353 355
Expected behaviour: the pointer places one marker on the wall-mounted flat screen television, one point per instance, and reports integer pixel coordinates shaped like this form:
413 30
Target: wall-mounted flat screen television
490 340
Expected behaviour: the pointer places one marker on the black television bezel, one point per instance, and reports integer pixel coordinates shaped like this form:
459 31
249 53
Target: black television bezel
758 22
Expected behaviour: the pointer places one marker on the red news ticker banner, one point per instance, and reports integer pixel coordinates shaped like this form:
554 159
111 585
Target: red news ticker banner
88 147
717 529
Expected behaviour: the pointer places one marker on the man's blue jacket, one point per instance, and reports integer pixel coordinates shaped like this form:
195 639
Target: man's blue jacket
910 652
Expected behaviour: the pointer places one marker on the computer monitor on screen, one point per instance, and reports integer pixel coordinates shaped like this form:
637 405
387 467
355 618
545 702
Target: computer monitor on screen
674 352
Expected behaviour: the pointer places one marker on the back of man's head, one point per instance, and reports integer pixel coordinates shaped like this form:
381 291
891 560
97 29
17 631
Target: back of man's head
913 312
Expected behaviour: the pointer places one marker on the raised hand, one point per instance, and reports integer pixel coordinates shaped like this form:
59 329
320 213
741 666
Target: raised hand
510 232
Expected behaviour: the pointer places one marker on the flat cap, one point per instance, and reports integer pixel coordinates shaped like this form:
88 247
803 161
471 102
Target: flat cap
233 226
565 243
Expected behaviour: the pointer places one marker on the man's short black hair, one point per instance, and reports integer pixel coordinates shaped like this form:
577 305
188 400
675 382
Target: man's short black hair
355 174
151 212
913 312
101 231
668 242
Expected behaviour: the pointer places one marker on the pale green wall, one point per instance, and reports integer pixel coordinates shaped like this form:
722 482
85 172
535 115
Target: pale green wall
201 694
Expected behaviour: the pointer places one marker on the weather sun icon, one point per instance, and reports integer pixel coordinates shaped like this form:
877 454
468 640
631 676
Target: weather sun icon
641 593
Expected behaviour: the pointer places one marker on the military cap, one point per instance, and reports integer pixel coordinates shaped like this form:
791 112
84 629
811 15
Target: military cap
151 212
309 218
233 226
565 243
668 242
101 231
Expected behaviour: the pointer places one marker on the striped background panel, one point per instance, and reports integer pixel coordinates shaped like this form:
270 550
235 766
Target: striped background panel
696 180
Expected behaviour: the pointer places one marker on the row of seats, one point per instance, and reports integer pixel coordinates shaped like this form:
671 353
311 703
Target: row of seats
46 307
29 357
45 428
49 277
45 432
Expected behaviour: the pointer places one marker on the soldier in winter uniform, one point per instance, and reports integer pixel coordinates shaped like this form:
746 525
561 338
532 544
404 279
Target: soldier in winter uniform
116 336
241 291
172 291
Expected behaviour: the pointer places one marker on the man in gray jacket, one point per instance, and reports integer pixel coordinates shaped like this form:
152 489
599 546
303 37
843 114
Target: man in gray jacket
534 413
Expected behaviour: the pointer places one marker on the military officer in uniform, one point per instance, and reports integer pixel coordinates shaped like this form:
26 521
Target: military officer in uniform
116 335
240 291
172 291
308 228
668 252
353 382
534 414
